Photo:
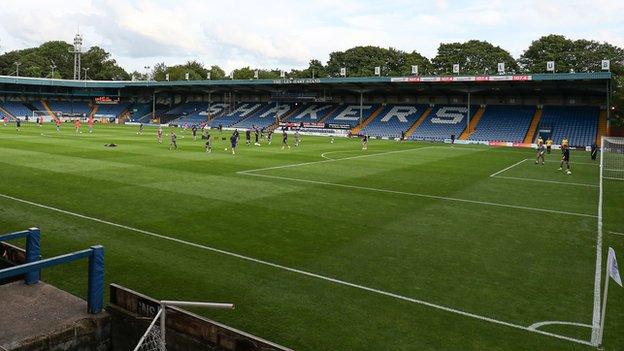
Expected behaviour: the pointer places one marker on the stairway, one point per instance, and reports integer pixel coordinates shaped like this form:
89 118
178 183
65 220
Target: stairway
49 110
602 127
331 112
472 126
93 111
361 126
418 122
528 139
7 113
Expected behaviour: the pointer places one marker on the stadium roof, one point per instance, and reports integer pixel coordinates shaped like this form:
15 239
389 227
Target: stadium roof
593 82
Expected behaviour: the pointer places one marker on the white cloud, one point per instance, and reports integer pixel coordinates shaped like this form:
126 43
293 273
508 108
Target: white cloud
287 34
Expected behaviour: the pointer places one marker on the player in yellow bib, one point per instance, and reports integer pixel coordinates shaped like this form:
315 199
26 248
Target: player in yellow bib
549 143
541 150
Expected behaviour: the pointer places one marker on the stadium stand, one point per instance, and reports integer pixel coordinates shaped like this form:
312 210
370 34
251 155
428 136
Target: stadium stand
504 123
393 119
141 112
578 123
265 116
242 111
198 113
111 110
312 113
16 109
443 121
349 114
70 108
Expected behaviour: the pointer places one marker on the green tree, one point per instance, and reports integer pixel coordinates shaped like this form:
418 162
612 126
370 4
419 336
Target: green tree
473 57
361 61
37 62
315 70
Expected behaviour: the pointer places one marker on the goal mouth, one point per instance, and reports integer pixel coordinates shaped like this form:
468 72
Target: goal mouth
612 158
154 337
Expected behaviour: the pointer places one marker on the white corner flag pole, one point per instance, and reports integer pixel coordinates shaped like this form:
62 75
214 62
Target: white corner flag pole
604 306
611 272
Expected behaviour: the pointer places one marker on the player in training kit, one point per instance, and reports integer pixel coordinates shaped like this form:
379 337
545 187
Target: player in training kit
248 137
285 140
208 142
549 143
140 132
159 134
173 141
91 122
234 141
194 131
18 124
541 150
331 141
297 138
5 120
257 135
58 125
365 142
270 137
40 122
565 156
77 125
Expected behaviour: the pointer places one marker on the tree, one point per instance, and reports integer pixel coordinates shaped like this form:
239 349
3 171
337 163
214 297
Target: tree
38 62
548 48
361 61
473 57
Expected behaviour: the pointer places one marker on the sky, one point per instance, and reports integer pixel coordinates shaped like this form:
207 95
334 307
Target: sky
287 34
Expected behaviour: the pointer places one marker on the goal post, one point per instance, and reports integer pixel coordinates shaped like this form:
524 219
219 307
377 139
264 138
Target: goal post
45 114
154 337
612 158
611 168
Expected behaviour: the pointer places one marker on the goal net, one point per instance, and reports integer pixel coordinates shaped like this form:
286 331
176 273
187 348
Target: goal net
152 340
612 158
154 337
45 114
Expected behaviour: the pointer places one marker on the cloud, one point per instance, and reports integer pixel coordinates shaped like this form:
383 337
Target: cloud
287 34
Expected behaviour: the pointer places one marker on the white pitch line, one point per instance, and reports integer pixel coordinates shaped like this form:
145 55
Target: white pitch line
508 168
616 233
330 160
576 163
547 181
517 207
299 271
537 325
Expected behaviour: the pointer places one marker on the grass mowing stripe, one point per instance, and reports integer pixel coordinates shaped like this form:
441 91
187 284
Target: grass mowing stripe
332 160
546 181
436 197
301 272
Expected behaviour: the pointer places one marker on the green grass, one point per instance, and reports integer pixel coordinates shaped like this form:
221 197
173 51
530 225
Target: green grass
366 220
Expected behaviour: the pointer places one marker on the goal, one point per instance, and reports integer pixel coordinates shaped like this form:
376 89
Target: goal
612 158
45 114
611 168
154 337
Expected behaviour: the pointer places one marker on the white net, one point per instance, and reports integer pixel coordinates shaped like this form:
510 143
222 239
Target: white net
613 158
152 339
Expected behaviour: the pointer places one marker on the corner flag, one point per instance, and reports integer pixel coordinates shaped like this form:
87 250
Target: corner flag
612 266
613 272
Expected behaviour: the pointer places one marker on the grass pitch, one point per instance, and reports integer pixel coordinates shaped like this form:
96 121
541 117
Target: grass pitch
406 246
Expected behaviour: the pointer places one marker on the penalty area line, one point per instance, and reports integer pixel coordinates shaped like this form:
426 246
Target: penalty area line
436 197
299 271
508 168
